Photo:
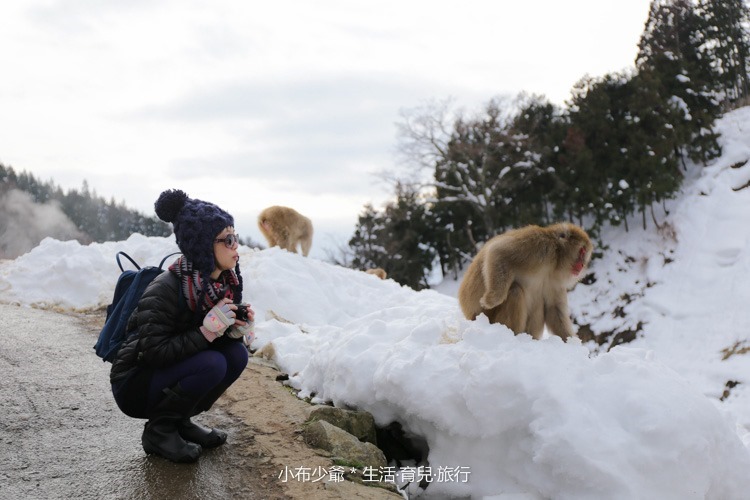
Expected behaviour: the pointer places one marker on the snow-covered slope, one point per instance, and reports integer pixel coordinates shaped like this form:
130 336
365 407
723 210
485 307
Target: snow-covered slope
686 286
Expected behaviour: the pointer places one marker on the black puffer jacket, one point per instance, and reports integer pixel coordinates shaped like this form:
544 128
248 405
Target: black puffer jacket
168 331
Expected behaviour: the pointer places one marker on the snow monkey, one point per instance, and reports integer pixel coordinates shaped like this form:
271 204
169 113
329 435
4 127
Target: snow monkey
379 272
286 228
521 278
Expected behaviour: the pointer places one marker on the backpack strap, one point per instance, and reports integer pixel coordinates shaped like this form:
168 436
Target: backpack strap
182 300
127 257
161 264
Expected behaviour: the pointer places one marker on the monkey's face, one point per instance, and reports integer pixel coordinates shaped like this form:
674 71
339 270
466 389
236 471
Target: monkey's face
576 248
580 262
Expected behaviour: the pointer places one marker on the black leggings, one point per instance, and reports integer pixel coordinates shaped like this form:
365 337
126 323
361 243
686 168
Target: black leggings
205 376
207 373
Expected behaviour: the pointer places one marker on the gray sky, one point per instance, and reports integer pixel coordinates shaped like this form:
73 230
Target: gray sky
248 104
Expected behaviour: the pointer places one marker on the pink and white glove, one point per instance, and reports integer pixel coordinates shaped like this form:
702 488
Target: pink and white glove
239 331
244 330
217 320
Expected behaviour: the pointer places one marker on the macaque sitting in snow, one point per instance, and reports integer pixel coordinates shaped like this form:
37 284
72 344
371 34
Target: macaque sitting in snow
521 278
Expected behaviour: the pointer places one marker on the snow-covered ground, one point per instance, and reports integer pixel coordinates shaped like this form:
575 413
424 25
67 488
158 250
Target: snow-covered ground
519 418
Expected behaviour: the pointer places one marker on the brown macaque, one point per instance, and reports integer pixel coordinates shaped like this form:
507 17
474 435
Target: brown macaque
379 272
286 228
521 278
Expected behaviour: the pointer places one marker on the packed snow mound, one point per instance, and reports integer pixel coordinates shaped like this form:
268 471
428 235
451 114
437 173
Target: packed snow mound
535 417
70 276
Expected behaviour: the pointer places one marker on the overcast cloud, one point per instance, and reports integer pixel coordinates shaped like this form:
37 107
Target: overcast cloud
249 104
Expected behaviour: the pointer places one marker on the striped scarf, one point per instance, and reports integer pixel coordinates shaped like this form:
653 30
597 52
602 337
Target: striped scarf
203 294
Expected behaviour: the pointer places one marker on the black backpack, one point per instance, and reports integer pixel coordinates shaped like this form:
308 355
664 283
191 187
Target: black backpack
128 290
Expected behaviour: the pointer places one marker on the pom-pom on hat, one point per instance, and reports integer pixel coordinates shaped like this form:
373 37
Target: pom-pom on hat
196 224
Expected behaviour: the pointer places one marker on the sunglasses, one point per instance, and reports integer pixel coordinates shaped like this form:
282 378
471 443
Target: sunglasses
230 241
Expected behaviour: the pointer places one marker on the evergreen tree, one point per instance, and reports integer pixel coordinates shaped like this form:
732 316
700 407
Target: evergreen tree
652 154
726 44
543 127
396 240
453 236
497 168
365 244
591 151
406 238
6 173
577 171
620 151
671 58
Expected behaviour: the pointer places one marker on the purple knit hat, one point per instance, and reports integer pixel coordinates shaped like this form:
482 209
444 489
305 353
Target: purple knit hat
196 224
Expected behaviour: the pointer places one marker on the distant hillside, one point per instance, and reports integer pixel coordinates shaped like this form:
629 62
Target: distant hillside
31 210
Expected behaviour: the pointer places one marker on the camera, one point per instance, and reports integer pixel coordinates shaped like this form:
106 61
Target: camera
241 312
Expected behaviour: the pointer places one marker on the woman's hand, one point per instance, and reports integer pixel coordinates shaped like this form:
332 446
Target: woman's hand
218 319
242 328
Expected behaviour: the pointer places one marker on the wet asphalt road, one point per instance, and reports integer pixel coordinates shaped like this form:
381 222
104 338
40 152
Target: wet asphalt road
62 435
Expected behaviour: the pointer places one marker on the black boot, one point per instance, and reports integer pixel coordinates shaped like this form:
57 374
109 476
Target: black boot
160 434
208 400
204 436
196 433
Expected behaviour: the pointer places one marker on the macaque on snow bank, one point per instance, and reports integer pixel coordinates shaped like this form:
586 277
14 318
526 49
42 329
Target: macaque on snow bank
286 228
521 278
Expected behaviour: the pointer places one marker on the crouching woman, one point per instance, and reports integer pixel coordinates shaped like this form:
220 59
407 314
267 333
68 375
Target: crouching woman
188 344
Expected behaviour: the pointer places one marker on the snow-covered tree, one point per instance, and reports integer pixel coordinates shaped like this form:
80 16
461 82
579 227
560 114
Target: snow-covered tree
725 44
671 57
